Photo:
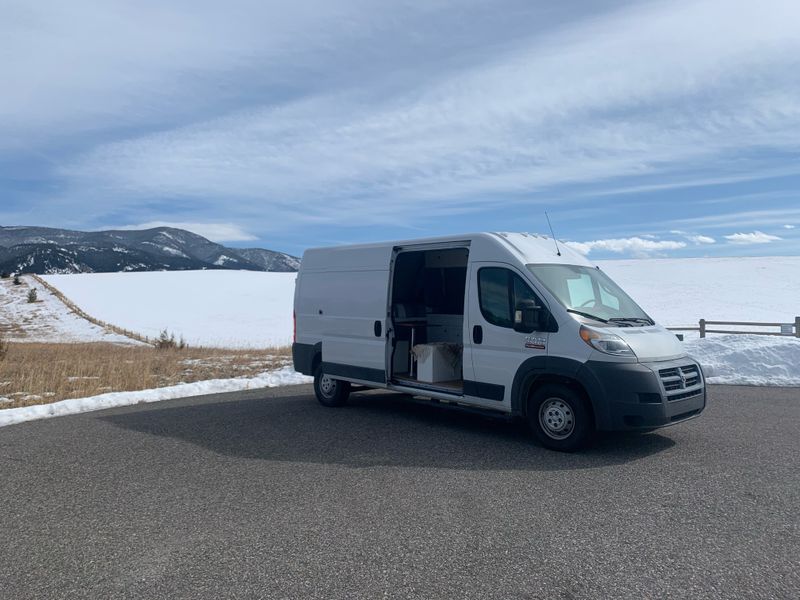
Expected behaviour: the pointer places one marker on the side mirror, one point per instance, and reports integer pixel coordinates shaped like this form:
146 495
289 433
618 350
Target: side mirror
527 316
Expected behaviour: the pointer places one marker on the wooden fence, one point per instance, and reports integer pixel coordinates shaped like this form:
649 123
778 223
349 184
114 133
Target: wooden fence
786 329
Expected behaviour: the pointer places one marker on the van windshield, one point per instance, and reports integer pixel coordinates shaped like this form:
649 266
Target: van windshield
591 293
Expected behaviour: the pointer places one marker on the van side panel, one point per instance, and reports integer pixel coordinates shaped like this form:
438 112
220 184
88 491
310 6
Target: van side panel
340 307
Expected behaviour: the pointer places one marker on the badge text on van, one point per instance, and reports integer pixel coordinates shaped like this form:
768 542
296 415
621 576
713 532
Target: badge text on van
537 343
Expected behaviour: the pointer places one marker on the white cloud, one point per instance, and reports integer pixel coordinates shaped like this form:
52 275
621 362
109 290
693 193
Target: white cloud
690 180
756 237
581 102
636 246
216 232
695 239
149 62
788 226
701 239
766 217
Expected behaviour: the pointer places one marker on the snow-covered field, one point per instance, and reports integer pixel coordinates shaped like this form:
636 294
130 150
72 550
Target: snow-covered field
47 320
233 309
681 291
248 309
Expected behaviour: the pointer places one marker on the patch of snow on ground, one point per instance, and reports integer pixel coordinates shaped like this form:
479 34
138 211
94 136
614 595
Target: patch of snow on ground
280 377
226 309
46 320
748 359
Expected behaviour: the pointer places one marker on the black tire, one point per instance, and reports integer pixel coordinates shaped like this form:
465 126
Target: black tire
329 391
560 418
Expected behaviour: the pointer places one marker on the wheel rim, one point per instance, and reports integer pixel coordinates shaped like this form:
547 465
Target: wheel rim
327 386
556 418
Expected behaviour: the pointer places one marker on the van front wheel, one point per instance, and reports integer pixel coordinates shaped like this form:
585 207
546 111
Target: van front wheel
560 418
330 391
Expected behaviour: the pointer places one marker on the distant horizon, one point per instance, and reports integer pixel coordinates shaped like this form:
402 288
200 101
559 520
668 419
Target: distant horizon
267 246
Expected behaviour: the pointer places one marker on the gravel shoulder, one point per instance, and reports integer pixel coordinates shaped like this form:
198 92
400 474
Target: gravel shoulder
266 494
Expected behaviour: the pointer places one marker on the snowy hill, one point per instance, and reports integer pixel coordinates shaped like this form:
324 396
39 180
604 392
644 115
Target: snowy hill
269 260
43 250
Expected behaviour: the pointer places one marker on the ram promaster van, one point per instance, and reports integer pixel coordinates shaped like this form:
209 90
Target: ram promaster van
497 322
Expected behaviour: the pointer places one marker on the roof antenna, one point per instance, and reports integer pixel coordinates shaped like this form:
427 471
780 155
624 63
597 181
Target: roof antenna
555 241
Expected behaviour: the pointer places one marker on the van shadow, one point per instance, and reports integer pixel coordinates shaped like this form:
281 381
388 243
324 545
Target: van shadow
374 429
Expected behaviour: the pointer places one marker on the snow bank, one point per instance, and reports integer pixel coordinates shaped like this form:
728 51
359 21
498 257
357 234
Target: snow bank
224 309
748 359
279 377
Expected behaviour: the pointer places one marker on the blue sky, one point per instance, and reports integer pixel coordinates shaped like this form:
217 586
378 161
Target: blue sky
643 128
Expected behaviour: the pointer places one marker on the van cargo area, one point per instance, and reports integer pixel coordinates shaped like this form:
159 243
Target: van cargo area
427 316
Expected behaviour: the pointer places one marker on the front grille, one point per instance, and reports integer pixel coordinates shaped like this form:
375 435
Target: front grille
677 379
685 395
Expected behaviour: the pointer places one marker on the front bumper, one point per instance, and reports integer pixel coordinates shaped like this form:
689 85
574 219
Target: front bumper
630 396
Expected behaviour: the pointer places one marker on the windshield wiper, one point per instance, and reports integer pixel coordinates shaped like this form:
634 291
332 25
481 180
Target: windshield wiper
632 320
587 315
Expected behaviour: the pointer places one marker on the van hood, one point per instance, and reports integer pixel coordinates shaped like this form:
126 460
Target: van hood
651 343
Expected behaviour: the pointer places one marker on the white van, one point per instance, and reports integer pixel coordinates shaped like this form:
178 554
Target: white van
498 322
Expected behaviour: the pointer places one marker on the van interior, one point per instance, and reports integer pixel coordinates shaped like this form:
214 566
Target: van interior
427 310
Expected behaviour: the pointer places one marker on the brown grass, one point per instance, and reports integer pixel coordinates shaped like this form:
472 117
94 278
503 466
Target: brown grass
34 373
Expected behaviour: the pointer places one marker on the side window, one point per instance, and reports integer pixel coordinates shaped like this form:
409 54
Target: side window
495 299
499 291
522 291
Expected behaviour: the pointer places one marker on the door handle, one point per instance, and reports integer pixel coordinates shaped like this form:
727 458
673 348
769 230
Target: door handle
477 334
377 329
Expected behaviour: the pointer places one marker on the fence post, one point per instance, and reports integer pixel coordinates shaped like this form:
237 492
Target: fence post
702 328
797 327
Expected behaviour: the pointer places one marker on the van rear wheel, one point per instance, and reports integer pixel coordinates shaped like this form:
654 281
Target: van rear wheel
560 418
330 391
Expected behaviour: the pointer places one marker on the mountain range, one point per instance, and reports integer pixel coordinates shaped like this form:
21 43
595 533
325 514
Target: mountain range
43 250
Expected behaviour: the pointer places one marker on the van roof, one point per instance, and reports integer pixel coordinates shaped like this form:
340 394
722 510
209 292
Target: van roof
528 247
537 248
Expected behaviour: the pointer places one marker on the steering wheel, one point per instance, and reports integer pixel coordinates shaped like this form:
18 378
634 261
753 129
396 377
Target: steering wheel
586 304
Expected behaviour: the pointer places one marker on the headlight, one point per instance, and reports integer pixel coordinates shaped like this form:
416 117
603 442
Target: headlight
605 342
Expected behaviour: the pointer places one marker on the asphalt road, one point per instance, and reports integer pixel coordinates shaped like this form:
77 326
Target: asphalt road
266 494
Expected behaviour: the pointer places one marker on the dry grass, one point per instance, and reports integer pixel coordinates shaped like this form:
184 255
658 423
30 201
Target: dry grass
42 373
